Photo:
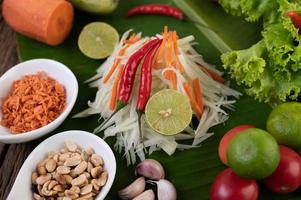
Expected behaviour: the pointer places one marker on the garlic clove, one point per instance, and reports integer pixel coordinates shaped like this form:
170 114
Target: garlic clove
133 190
146 195
150 169
165 189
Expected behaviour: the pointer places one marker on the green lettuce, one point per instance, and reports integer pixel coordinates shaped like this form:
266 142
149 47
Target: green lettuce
270 69
252 10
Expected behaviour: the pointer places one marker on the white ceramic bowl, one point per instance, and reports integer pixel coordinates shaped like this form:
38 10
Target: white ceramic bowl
22 186
52 68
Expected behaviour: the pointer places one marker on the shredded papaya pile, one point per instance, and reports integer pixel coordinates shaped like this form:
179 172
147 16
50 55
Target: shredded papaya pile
34 101
138 68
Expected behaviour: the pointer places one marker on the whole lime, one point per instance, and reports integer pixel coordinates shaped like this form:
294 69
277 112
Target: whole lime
253 154
284 123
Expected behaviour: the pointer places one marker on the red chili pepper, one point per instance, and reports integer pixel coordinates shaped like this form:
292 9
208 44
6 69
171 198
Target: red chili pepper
296 19
145 86
160 9
128 76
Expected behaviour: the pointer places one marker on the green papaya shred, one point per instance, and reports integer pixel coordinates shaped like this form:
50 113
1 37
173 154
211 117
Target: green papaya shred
270 69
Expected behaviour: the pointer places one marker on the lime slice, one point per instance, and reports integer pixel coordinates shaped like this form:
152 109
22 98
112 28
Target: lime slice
97 40
168 112
96 6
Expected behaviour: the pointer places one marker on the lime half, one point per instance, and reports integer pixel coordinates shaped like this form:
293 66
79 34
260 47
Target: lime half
168 112
97 40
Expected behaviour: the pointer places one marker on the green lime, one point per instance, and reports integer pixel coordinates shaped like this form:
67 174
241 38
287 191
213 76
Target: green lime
284 123
97 40
253 154
96 6
168 112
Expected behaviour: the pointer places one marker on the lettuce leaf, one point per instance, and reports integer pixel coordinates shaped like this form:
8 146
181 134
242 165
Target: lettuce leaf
270 69
246 66
252 10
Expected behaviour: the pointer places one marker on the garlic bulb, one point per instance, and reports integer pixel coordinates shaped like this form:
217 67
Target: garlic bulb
165 190
133 190
150 169
147 195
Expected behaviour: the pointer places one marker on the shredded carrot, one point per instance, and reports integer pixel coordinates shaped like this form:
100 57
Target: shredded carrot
111 71
157 65
133 39
115 89
177 52
176 38
169 57
215 76
162 47
34 101
192 100
198 93
171 76
174 81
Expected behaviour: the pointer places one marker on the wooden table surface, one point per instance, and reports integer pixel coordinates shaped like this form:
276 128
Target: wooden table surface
11 156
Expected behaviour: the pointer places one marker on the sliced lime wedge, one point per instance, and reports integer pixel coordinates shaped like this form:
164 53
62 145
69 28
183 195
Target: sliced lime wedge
168 112
97 40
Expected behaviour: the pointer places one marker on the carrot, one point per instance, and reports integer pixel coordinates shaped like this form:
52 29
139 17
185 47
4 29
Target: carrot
48 21
111 71
169 56
198 93
115 88
133 39
215 76
162 47
177 53
192 100
174 81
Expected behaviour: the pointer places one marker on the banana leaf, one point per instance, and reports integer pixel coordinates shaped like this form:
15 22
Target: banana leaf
191 171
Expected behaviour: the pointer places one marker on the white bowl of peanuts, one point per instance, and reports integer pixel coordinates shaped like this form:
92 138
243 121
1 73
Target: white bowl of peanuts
36 96
69 165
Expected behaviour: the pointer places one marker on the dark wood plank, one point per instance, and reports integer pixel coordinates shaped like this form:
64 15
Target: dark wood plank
11 156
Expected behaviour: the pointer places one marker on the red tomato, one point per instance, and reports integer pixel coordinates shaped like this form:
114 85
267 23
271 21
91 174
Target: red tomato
287 177
228 186
222 148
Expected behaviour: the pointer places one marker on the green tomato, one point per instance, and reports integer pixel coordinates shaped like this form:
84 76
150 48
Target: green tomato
96 6
284 124
253 154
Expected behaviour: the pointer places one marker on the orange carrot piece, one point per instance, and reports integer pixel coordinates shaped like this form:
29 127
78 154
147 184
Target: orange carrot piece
174 81
169 57
111 71
176 37
177 52
115 64
115 89
215 76
171 76
198 93
123 50
162 47
133 39
48 21
192 100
